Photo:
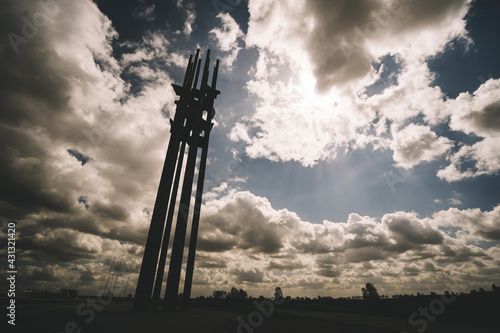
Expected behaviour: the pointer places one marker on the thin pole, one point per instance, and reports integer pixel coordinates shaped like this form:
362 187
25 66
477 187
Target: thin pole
109 274
117 275
126 285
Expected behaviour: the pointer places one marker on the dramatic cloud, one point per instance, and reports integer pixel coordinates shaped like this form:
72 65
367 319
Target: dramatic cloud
318 60
81 147
401 245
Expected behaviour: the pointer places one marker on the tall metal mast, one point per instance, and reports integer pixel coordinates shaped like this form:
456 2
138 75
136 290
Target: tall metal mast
191 126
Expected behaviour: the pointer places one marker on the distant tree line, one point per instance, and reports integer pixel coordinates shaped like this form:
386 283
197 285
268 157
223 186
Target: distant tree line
235 296
369 294
481 291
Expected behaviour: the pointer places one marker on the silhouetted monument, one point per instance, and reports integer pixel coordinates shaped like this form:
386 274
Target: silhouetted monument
191 125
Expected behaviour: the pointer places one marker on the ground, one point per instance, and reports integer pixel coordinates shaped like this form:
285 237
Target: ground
82 315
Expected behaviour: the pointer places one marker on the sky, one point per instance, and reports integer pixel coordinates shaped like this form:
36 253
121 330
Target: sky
355 141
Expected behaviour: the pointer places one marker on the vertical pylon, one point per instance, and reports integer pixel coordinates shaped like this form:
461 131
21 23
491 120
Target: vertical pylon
191 126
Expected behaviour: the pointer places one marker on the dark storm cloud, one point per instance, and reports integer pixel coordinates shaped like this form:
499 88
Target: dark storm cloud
28 184
110 211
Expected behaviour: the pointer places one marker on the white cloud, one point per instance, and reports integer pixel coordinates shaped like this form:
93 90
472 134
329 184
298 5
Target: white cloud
316 61
190 19
154 46
415 144
475 224
227 38
485 158
410 97
475 114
